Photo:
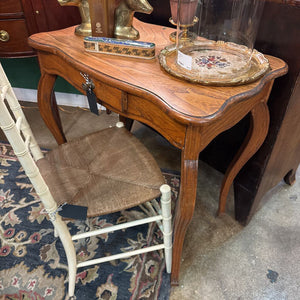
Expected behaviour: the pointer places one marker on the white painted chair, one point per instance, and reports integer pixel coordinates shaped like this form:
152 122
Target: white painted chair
106 171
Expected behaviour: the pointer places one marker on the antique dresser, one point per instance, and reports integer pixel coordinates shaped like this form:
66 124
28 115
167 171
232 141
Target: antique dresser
21 18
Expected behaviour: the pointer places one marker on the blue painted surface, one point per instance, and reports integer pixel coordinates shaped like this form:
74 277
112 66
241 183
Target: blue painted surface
119 42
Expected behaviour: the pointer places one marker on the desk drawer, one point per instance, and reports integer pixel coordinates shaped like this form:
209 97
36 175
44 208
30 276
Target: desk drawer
13 37
10 7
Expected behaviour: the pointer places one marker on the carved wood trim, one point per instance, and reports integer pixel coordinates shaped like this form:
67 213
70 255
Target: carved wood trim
124 101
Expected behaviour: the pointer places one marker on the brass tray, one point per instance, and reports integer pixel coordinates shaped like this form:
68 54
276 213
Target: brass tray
226 68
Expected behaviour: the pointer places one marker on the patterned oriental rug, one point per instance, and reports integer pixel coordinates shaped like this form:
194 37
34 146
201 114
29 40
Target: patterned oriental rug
33 263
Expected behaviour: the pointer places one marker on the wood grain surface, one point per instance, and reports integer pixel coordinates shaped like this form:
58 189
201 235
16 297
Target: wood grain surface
147 79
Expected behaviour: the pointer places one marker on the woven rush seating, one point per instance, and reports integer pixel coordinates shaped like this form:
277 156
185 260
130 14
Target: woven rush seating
106 171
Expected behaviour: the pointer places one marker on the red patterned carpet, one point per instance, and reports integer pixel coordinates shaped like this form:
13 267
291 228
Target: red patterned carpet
33 263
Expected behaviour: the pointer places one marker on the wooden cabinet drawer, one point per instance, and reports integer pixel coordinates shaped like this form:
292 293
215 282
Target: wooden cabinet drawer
10 7
17 42
21 18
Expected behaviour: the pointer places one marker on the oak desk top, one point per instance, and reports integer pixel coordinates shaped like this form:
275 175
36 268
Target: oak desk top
146 78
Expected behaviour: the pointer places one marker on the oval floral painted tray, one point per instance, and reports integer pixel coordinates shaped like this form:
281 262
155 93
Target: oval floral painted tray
214 63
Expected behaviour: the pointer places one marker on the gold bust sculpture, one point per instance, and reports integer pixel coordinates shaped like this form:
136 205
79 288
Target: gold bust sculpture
85 27
122 10
124 15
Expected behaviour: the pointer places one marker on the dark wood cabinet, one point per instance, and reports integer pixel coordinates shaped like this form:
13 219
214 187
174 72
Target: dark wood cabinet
279 156
21 18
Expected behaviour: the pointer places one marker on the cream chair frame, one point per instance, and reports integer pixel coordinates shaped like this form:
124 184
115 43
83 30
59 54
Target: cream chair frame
28 152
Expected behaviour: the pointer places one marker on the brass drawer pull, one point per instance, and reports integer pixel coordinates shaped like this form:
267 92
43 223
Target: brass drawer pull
4 36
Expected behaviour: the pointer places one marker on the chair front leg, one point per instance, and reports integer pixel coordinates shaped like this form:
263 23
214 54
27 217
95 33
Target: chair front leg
66 239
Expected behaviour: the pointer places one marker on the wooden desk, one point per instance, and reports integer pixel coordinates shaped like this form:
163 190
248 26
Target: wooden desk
188 115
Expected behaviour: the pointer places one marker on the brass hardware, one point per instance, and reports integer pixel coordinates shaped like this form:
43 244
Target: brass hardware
4 36
84 28
89 84
37 12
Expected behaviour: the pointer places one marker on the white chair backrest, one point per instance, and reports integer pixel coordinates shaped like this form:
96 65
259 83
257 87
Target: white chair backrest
21 122
21 138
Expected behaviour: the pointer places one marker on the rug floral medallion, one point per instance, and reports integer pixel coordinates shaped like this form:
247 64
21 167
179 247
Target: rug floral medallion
33 263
